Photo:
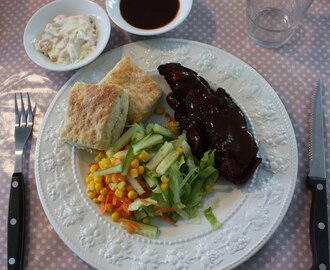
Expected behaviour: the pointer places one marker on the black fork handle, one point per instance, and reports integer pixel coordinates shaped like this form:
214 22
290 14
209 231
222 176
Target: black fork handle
15 229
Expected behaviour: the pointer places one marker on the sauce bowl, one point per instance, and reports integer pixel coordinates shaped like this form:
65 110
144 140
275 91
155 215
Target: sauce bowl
39 20
113 9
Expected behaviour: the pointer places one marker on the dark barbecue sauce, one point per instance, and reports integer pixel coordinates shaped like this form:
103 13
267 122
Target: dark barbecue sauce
212 121
149 14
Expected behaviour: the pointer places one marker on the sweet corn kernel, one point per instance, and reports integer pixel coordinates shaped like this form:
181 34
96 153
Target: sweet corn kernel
121 156
143 156
146 220
164 186
115 216
135 163
98 187
94 168
113 186
134 173
109 208
208 188
103 191
119 193
91 195
121 185
140 170
159 110
105 163
179 149
132 195
108 179
91 186
115 178
164 179
113 160
98 179
173 126
89 178
101 198
95 200
99 156
129 187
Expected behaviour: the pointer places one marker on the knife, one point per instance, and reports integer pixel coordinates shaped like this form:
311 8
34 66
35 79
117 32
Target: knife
317 184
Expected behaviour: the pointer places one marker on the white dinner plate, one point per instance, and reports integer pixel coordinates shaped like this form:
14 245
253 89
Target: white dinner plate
249 213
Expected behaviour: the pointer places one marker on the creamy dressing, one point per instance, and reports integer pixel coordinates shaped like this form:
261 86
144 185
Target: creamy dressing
68 39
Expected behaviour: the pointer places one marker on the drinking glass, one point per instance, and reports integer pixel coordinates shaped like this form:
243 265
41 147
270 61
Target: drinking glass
271 23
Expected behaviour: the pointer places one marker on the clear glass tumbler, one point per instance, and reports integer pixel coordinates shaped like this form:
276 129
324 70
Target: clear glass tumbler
271 23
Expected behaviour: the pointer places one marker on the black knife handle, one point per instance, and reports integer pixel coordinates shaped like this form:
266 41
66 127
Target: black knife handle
319 224
15 229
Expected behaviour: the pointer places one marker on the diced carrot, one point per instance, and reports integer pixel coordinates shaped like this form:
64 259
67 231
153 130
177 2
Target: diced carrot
125 214
102 207
164 209
169 117
115 177
114 200
126 204
131 227
169 220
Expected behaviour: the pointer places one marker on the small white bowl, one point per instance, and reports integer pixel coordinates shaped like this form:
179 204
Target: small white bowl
113 9
39 20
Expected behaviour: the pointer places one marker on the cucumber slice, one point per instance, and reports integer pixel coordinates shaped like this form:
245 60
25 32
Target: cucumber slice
139 215
147 141
164 131
167 162
123 140
141 228
115 169
128 159
151 181
160 155
136 185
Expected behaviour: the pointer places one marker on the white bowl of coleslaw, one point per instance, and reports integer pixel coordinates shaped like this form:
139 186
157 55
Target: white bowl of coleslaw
67 34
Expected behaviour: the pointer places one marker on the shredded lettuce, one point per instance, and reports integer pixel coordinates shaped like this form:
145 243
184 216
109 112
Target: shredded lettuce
211 218
138 204
171 158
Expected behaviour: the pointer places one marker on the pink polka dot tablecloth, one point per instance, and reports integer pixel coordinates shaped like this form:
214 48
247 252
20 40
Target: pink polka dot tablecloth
292 71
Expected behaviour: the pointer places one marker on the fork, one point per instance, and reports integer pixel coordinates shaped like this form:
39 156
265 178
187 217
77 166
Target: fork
15 230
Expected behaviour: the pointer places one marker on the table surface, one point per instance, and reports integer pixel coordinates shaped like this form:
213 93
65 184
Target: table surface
292 71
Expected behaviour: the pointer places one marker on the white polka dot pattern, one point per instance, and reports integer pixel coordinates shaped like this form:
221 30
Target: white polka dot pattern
291 70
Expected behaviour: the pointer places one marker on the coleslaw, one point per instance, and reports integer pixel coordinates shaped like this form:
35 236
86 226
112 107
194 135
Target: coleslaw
68 39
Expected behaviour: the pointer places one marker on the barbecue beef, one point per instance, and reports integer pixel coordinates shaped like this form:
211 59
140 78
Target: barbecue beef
212 121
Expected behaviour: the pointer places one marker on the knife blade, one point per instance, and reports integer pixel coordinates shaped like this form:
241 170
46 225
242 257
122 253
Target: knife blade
317 184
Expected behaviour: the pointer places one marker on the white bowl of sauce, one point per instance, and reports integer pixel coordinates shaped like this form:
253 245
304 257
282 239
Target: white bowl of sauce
66 32
148 17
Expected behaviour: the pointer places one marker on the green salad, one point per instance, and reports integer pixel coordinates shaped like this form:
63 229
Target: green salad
151 172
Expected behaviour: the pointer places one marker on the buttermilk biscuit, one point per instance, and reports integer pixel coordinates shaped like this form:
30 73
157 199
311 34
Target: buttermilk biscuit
144 93
96 115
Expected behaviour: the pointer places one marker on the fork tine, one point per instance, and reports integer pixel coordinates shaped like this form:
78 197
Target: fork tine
23 113
29 111
17 114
